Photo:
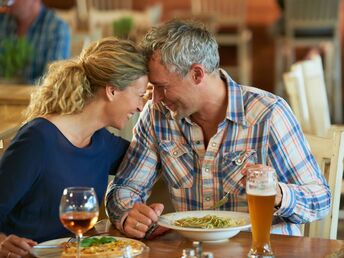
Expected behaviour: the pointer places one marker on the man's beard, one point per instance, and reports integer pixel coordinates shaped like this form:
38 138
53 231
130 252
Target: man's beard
177 114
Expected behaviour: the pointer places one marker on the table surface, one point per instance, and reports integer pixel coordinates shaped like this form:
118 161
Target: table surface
13 101
15 94
171 245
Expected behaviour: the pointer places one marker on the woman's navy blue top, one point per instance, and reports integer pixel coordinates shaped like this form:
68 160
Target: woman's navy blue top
39 164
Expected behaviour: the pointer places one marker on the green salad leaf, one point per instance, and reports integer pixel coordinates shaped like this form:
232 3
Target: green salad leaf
92 241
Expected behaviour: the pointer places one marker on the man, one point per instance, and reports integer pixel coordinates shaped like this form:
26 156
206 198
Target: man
201 130
48 35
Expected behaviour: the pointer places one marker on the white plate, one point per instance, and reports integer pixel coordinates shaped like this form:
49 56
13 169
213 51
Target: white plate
50 253
200 234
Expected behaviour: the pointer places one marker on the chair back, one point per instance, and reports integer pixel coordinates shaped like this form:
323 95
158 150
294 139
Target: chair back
84 6
6 138
311 14
109 4
225 12
329 153
297 98
317 101
306 90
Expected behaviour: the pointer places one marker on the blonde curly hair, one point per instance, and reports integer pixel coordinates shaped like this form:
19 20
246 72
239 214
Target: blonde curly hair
69 84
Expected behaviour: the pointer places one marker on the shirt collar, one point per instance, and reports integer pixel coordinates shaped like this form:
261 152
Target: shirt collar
235 109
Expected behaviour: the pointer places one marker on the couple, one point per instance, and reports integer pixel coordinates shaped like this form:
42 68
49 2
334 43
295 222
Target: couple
199 131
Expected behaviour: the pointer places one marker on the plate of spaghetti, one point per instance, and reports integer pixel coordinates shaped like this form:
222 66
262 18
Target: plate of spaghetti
206 225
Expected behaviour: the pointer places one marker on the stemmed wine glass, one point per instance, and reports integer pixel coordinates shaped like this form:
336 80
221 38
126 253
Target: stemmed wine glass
79 211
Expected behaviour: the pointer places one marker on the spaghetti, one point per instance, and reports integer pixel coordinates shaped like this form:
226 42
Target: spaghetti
208 222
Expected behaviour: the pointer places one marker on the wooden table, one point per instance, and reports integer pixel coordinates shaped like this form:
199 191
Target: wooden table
15 94
171 245
13 100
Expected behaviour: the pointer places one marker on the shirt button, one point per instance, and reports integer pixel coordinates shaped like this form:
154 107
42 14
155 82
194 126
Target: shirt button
198 142
207 170
239 161
213 144
175 153
207 198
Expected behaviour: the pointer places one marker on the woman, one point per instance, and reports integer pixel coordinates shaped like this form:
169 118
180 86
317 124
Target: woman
64 142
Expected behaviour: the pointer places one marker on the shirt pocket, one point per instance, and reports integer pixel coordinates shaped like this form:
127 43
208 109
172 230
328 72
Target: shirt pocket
233 163
177 164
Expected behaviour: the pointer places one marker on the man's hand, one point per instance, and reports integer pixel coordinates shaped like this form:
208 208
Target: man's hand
279 194
15 247
278 198
140 217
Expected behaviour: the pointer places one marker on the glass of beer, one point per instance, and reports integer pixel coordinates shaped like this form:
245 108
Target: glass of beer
261 186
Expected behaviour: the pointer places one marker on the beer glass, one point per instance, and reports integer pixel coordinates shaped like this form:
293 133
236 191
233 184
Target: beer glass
261 186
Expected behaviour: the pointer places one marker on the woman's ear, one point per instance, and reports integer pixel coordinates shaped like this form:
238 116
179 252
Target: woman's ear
110 91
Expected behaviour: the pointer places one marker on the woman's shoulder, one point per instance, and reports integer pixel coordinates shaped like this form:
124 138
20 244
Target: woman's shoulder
105 134
111 140
37 128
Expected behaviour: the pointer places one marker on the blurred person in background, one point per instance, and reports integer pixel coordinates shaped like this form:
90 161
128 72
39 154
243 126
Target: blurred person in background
65 143
47 34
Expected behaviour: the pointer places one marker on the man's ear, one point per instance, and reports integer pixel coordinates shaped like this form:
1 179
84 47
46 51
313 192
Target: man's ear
197 73
110 91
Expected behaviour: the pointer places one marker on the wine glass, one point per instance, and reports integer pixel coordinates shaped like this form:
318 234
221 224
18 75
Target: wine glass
79 211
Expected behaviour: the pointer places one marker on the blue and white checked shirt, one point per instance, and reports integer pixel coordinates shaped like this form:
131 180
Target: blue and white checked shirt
259 128
49 36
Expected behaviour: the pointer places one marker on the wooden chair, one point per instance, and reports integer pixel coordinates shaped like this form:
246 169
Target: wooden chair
306 91
84 6
297 98
100 21
329 153
312 24
229 15
6 138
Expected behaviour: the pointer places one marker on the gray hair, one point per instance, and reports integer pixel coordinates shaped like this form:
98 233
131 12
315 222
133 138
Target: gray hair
182 44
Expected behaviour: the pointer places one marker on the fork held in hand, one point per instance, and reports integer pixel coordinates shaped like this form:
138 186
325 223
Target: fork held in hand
221 202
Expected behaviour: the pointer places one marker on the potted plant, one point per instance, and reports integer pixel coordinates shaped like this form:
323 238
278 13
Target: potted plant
15 54
122 27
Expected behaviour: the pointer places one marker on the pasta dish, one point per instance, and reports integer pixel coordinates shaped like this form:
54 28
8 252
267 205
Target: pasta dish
208 222
95 247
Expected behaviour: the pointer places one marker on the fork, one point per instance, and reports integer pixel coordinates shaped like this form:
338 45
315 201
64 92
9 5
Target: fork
221 202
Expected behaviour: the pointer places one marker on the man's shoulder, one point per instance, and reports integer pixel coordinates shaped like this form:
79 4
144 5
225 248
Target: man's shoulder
53 21
259 104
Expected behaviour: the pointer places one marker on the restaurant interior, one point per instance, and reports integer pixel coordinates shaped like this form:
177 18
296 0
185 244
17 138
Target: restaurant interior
255 48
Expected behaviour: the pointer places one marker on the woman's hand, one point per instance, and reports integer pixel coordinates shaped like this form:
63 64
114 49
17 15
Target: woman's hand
13 246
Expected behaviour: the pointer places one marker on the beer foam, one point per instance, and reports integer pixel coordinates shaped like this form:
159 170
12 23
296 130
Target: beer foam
258 192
